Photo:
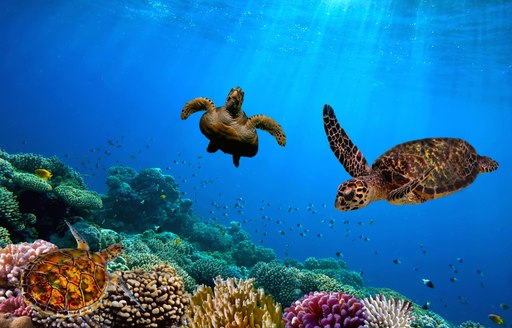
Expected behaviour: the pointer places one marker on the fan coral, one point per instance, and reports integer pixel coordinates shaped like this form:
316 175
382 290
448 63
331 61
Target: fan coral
387 313
12 260
233 303
321 309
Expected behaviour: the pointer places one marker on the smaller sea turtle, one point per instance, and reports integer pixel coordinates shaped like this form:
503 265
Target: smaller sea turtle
228 127
409 173
70 282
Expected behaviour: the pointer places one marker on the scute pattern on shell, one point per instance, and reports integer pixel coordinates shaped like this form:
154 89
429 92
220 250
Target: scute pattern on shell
65 282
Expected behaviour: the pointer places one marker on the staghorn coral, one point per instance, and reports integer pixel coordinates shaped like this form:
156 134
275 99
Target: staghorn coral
387 313
279 281
161 293
321 309
234 303
79 198
13 259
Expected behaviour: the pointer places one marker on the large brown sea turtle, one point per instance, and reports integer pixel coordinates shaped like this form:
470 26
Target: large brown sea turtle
228 127
409 173
70 282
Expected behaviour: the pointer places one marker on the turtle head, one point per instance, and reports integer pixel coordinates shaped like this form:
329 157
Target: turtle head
235 99
112 252
353 194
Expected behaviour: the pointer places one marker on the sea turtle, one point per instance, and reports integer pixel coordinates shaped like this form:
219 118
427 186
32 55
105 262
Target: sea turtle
409 173
228 127
70 282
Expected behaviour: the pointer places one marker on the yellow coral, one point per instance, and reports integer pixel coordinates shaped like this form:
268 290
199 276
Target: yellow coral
235 303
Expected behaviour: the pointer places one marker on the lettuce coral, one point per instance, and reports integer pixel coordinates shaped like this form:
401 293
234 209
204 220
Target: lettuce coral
234 303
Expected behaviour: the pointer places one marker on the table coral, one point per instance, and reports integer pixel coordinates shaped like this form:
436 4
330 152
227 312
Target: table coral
80 198
29 181
234 303
322 309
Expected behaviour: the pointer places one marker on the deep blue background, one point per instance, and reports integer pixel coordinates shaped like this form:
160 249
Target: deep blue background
75 74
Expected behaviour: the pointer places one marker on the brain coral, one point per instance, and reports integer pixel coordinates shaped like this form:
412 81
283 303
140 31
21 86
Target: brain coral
234 303
387 313
321 309
80 198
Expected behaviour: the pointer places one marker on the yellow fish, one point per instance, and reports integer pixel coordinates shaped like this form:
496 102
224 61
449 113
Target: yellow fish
43 174
163 196
496 319
177 241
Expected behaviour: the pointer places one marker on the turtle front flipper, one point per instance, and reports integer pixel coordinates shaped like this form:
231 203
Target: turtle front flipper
268 124
80 241
236 160
197 105
405 194
345 151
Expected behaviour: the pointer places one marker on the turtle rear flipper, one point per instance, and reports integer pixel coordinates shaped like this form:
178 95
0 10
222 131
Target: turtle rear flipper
486 164
236 160
405 195
196 105
345 151
266 123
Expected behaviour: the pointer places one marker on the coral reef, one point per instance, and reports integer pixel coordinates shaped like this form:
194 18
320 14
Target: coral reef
321 309
31 206
385 312
312 281
233 303
17 306
205 269
8 320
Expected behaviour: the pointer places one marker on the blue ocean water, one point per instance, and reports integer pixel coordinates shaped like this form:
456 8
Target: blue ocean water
102 83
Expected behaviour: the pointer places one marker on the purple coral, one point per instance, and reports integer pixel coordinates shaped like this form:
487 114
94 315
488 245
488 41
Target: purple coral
321 309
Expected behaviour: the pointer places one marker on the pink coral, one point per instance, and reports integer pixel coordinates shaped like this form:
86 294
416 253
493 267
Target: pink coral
17 306
13 259
321 309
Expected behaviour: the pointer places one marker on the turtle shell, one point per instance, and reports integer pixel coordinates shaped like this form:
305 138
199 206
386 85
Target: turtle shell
65 282
454 163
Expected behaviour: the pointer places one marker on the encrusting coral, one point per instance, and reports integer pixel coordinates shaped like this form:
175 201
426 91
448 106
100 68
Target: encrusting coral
234 303
385 312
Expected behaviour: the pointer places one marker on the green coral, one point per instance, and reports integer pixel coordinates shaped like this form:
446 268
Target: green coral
80 198
29 181
245 253
317 282
5 237
9 210
205 269
278 280
312 263
471 324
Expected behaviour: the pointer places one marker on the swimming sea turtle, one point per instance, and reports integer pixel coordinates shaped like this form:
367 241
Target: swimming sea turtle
70 282
409 173
228 127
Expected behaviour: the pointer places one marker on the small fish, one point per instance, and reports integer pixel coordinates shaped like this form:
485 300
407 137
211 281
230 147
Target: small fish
504 306
496 319
43 174
339 254
480 273
453 279
177 241
163 196
396 261
372 221
460 260
428 283
426 306
157 228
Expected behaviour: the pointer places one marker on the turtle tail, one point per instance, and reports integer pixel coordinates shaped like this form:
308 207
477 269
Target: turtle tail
486 164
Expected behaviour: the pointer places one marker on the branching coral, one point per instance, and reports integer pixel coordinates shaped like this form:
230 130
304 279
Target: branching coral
234 303
387 313
311 281
279 281
321 309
